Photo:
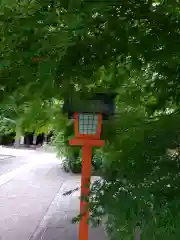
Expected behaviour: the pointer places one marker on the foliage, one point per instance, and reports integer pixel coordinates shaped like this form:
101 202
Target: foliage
35 116
6 126
142 175
51 49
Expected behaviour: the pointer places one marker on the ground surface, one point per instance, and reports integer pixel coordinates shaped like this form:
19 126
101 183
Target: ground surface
32 205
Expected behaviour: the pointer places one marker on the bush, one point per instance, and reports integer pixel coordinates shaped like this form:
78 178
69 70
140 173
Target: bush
71 164
74 163
97 160
7 139
71 154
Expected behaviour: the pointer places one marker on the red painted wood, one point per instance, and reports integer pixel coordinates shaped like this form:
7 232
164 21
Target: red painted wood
88 142
85 190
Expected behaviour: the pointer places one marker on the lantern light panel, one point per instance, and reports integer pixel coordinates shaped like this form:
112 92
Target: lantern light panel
88 123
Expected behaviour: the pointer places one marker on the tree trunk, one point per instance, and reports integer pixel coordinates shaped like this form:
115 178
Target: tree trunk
45 139
34 139
137 233
22 140
18 135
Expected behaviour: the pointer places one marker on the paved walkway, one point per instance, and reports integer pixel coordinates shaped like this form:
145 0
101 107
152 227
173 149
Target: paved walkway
32 205
57 222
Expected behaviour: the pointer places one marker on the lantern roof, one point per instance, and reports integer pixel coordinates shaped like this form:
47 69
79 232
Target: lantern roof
97 103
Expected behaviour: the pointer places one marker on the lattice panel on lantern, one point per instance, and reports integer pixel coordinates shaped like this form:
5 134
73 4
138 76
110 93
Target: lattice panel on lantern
88 123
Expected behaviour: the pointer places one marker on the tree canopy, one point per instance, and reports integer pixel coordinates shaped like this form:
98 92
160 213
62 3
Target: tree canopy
58 45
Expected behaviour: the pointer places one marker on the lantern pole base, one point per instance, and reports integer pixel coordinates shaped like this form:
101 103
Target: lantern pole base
85 190
87 145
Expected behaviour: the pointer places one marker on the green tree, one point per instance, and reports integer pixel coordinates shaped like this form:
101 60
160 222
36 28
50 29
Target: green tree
36 116
56 45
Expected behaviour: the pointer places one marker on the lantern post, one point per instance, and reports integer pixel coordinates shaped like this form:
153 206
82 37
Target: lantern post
87 128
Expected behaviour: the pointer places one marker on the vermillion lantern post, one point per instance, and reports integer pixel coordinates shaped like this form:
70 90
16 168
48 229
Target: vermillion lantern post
87 128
